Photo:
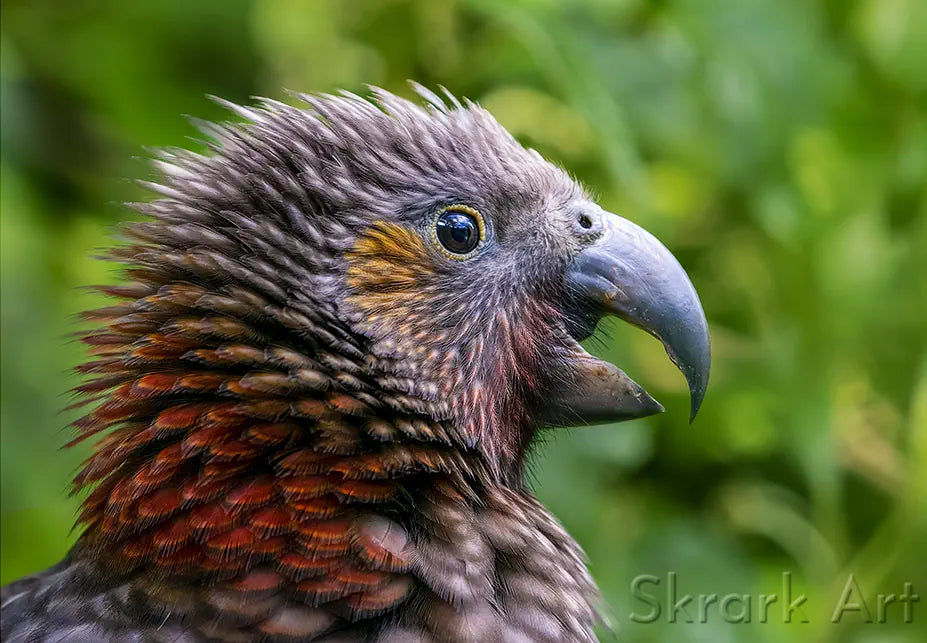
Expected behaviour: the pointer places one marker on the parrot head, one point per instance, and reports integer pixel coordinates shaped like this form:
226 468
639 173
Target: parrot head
473 268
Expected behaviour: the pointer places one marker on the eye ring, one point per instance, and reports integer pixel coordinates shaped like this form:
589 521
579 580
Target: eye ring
457 231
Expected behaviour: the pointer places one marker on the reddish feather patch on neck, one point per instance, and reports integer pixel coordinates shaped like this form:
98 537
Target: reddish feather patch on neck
230 455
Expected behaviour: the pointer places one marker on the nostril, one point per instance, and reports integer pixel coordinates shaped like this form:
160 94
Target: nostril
585 221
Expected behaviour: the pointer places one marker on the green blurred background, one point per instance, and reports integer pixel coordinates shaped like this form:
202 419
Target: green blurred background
779 148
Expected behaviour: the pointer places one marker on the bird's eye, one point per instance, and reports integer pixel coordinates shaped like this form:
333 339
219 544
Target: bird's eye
459 230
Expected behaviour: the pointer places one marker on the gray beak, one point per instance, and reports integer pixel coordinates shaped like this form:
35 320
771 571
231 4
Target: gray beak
628 273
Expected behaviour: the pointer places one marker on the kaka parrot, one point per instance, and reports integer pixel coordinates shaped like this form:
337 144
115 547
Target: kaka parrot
340 329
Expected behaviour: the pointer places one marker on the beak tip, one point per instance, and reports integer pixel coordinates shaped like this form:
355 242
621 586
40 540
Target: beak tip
695 349
646 407
697 395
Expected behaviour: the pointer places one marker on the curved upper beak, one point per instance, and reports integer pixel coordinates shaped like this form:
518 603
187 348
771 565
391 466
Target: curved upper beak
628 273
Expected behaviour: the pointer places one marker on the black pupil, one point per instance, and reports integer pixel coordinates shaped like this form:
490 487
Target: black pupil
458 232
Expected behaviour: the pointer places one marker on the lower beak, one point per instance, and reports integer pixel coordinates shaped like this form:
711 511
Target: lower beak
628 273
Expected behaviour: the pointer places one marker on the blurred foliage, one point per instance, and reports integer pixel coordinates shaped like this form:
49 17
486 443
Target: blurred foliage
779 148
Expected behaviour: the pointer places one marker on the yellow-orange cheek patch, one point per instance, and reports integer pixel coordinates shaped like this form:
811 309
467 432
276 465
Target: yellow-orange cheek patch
388 268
